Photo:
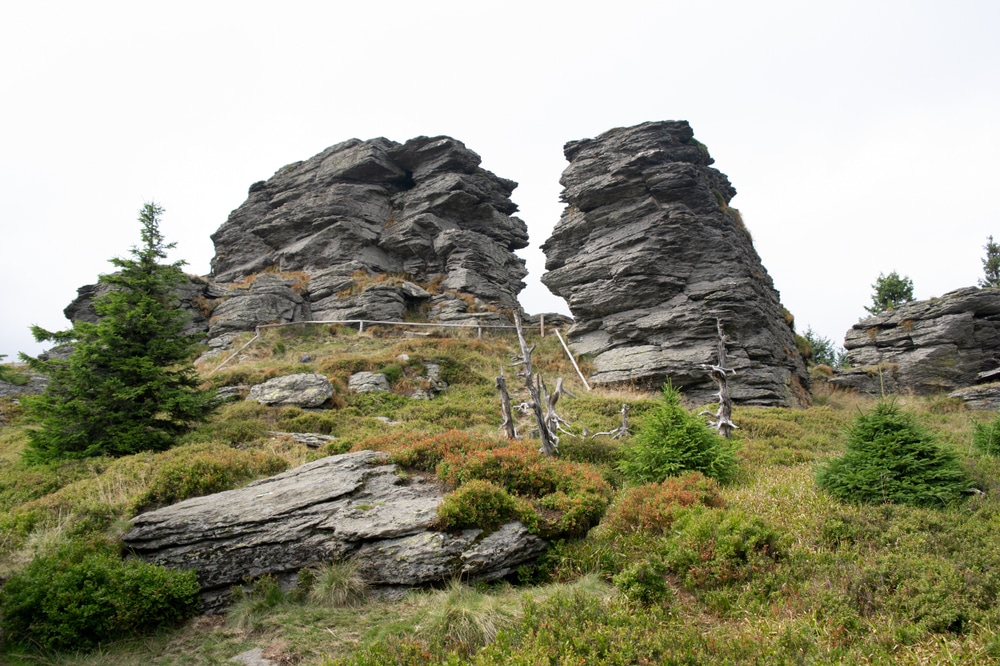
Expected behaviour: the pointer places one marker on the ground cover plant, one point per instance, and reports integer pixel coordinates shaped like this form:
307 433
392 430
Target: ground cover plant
766 568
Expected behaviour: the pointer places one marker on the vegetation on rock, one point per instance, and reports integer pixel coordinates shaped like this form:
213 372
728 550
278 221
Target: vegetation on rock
991 264
890 292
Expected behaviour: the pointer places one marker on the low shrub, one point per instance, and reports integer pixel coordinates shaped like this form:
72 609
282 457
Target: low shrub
252 603
652 507
568 498
714 548
671 440
891 458
205 471
81 596
927 591
644 582
482 504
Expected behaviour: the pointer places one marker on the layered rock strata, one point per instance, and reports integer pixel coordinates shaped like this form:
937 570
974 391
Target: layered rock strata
649 255
376 226
926 347
354 505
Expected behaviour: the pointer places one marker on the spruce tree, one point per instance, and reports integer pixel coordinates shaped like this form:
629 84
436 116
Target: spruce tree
891 290
991 264
891 458
129 384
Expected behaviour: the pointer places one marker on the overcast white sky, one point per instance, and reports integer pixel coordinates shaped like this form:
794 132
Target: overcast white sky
862 137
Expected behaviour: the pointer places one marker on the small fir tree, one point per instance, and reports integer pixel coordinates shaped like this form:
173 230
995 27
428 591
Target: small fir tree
891 291
821 350
128 384
891 459
672 441
991 264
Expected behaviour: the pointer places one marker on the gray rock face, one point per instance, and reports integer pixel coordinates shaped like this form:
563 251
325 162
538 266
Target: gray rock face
986 396
368 382
932 346
267 299
348 506
301 390
36 384
648 255
423 209
193 295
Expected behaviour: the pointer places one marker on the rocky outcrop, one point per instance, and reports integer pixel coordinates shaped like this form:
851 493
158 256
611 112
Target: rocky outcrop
195 295
354 505
376 223
926 347
267 298
649 255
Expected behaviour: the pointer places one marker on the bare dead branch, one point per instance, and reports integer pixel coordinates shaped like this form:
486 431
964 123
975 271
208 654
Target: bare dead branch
507 426
722 419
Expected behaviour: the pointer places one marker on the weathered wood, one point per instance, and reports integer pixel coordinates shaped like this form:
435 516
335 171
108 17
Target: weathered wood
723 416
620 431
550 443
507 426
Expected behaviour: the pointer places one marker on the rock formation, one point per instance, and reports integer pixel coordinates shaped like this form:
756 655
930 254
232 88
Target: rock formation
363 230
649 255
376 225
353 505
932 346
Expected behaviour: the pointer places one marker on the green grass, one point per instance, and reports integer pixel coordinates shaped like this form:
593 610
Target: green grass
825 581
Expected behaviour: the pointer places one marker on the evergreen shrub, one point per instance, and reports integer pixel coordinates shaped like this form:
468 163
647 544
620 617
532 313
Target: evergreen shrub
891 458
671 441
986 437
81 596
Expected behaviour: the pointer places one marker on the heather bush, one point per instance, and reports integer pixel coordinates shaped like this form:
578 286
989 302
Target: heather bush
644 582
671 440
652 507
482 504
892 458
714 548
81 596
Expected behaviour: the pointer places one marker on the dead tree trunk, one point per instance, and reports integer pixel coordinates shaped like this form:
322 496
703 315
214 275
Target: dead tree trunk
722 419
620 431
550 442
507 427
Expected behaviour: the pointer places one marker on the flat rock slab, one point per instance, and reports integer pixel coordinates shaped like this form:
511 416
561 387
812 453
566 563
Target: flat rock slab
354 505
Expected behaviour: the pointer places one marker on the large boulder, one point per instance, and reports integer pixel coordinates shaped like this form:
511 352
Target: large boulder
650 256
926 347
299 390
375 224
355 505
